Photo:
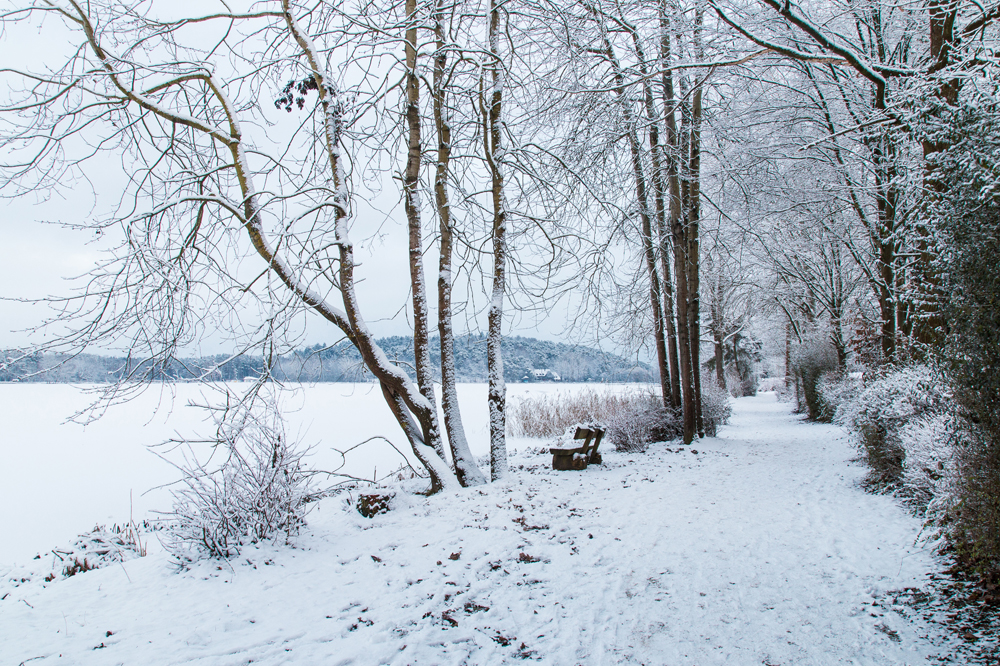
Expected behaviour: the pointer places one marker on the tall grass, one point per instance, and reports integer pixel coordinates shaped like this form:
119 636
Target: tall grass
549 415
631 419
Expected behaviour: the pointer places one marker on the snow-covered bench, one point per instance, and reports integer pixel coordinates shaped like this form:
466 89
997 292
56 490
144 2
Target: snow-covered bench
578 457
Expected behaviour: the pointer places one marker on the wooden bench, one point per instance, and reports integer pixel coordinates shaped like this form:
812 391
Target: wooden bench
578 457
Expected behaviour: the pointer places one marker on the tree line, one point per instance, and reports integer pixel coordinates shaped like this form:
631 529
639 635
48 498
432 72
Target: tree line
334 363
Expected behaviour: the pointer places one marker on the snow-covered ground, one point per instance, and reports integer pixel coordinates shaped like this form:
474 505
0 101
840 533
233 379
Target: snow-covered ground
756 547
58 479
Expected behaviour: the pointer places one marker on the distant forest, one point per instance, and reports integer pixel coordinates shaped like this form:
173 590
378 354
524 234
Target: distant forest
338 363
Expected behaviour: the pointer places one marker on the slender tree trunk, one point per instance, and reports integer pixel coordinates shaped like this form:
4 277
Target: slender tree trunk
927 326
415 415
693 256
719 333
411 205
682 247
665 297
493 135
642 197
466 470
672 190
788 354
887 241
694 218
662 323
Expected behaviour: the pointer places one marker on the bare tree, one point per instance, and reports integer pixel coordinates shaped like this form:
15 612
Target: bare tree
204 187
493 136
906 57
465 465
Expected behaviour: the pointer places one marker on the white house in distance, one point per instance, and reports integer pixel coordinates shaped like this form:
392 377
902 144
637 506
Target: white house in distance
542 375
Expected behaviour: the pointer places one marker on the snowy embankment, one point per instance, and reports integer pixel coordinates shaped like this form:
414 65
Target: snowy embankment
758 549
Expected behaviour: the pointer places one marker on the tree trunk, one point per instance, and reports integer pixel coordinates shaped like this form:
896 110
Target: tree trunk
788 354
694 218
693 256
642 197
671 189
719 334
466 470
411 205
492 135
662 323
682 248
415 415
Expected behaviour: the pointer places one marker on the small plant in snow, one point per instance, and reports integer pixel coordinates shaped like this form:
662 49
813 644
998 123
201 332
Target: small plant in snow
640 422
76 566
257 493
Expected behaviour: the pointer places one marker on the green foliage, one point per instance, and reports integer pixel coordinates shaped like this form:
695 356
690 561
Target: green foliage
967 223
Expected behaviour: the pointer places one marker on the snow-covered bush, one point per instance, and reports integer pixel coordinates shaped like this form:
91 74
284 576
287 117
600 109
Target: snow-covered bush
549 415
810 361
642 421
715 406
257 493
887 405
631 419
836 391
929 459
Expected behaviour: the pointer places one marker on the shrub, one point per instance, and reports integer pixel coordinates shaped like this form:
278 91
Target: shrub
258 492
973 521
631 419
887 405
966 225
640 422
715 406
810 361
836 390
929 463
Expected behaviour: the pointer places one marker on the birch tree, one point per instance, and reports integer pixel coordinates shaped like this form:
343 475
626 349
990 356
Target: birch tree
207 189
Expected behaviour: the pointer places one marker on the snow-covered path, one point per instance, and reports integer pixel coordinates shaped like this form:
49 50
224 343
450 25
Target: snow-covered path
757 549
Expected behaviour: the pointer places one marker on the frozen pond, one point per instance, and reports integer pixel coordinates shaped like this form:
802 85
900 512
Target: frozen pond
58 479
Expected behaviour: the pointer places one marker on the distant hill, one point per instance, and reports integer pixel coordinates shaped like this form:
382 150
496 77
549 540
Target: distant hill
342 363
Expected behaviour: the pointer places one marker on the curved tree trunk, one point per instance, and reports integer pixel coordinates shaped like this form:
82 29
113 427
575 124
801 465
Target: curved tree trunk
415 414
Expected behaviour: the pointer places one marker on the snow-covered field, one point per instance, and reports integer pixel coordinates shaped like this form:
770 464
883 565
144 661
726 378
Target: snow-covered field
58 479
756 547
